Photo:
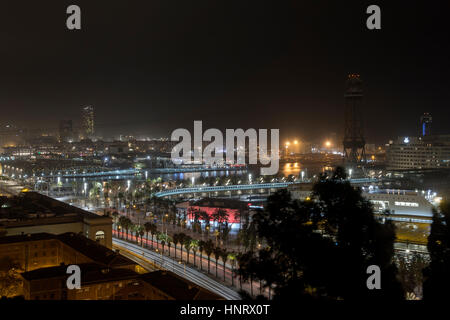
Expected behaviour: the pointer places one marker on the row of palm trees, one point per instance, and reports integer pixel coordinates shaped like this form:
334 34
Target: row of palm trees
209 248
179 240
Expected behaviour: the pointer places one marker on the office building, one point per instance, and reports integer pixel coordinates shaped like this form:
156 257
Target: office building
425 124
88 122
427 152
32 212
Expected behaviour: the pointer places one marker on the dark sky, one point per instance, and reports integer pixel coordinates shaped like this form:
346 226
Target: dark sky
154 66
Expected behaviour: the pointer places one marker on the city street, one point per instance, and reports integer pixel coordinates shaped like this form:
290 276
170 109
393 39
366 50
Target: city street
180 269
199 260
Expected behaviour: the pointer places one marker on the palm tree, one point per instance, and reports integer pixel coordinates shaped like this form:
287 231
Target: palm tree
217 253
220 216
162 245
120 196
209 247
169 244
181 237
225 232
121 223
115 215
106 190
153 231
224 256
206 218
135 229
125 224
176 241
194 247
194 214
232 257
141 234
128 226
201 248
148 228
187 246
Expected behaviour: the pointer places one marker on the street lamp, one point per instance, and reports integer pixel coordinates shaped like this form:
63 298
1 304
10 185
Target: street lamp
303 175
287 148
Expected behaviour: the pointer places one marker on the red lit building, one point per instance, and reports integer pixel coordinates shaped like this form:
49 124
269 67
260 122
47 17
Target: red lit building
233 208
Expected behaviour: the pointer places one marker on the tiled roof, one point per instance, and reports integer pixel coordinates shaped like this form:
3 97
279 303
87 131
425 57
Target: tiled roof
177 287
81 244
90 273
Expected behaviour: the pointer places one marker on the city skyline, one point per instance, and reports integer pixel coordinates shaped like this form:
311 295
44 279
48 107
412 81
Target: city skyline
252 153
279 61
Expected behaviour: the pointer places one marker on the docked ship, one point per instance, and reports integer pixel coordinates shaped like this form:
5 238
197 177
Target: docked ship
402 205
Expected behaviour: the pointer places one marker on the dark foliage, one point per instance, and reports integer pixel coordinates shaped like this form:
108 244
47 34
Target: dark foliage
437 276
321 248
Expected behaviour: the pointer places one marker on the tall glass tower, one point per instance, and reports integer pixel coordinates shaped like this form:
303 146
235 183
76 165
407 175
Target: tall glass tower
88 121
425 124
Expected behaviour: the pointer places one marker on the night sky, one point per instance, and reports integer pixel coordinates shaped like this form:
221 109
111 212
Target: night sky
149 67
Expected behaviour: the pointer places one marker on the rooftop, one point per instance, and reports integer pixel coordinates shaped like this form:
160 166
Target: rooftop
90 273
220 203
89 248
33 205
178 287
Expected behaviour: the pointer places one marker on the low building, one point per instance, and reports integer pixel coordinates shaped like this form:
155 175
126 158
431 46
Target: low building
41 261
32 212
101 283
232 207
98 282
40 250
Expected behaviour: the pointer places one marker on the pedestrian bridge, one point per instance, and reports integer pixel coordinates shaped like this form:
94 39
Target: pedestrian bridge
256 186
202 189
129 172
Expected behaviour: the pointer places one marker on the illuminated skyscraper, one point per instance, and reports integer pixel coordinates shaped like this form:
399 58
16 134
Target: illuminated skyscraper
88 121
425 124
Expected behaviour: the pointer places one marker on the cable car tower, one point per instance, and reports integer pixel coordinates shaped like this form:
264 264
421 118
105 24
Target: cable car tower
354 142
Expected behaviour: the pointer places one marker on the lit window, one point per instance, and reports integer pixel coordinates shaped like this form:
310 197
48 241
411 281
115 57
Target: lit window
99 235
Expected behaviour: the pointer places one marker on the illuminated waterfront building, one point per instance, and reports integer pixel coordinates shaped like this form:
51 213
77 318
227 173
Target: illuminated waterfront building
428 152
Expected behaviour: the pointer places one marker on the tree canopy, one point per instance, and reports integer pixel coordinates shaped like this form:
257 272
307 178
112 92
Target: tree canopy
321 247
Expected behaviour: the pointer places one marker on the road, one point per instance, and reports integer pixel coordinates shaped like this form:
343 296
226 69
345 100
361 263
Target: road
149 266
201 261
180 269
10 187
